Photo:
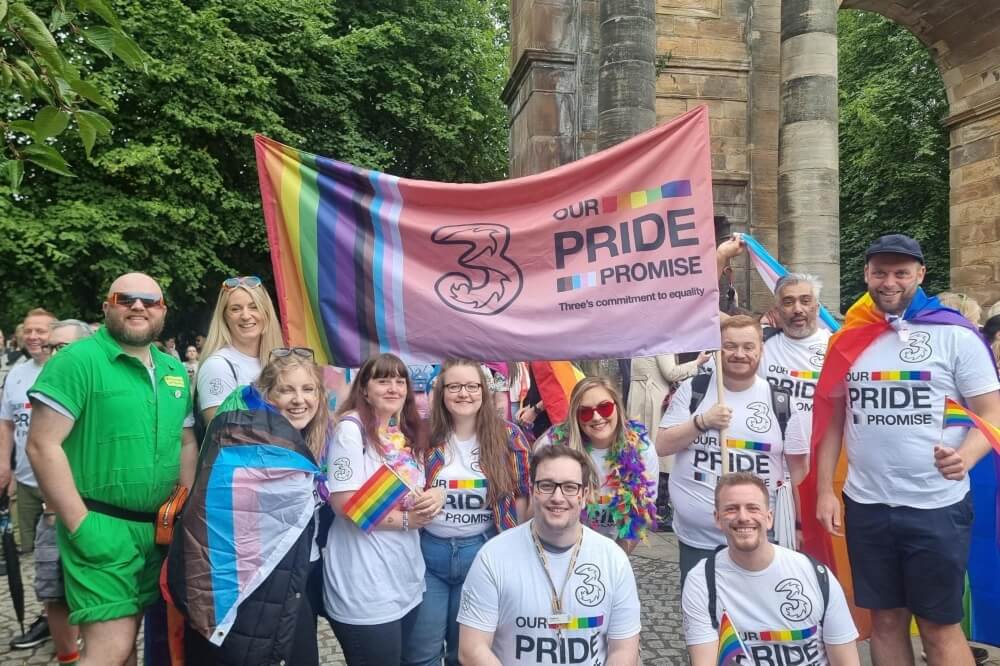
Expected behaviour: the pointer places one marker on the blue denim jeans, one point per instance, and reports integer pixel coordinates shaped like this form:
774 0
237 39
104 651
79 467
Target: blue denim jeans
448 562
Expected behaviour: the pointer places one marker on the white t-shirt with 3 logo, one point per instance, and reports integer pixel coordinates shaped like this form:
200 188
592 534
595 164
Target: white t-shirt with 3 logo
755 445
507 593
795 364
778 611
896 393
465 511
15 407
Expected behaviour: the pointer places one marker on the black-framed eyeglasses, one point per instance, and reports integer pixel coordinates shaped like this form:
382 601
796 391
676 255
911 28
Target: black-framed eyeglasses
471 387
282 352
52 349
548 487
248 281
128 298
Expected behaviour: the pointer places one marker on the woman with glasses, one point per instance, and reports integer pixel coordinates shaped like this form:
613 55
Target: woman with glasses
243 553
624 505
482 463
243 332
373 569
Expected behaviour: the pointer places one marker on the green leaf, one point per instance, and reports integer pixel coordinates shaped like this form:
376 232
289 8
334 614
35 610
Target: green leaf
101 38
5 76
47 157
15 170
100 8
23 126
37 35
90 92
3 9
91 125
125 48
50 121
59 18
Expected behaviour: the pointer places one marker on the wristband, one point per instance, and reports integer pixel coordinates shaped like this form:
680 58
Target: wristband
406 521
697 426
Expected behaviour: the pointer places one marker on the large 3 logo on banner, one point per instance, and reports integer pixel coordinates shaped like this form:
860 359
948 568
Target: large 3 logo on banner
485 281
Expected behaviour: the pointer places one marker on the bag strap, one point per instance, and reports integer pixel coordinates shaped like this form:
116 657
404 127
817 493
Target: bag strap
699 387
823 578
781 403
361 426
232 369
710 586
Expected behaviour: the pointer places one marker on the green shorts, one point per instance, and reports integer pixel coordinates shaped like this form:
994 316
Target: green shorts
111 568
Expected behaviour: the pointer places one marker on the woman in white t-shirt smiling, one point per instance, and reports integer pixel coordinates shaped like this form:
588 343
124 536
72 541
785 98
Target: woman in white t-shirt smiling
625 462
481 461
243 332
373 581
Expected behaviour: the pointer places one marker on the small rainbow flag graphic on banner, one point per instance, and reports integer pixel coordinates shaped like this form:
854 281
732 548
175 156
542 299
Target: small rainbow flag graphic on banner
373 501
730 645
466 484
956 415
580 623
786 635
747 445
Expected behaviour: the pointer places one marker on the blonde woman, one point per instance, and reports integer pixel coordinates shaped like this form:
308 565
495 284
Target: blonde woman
243 332
624 505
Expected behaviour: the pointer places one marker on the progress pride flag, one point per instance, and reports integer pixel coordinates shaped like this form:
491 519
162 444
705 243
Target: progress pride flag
612 256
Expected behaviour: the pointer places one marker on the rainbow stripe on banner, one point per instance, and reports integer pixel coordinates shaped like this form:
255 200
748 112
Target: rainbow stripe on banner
785 635
466 484
957 415
375 499
580 623
805 374
730 646
900 376
642 198
770 271
747 445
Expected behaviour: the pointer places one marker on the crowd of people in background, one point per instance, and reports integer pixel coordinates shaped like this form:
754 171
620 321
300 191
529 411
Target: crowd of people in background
447 514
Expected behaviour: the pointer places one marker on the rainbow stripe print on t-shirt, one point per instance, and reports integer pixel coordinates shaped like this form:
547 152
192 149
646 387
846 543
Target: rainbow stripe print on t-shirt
787 635
900 375
748 445
804 374
580 623
466 484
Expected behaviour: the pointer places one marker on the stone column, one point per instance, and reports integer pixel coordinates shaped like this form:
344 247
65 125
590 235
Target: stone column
626 92
808 167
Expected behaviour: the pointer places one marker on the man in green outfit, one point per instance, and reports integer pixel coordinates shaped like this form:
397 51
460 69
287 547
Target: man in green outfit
110 438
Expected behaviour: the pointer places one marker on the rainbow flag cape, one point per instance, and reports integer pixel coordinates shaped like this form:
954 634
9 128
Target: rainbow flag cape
375 499
863 324
957 415
770 271
731 648
366 262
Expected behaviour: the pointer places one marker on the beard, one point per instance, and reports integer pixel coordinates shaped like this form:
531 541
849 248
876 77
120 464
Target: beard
119 331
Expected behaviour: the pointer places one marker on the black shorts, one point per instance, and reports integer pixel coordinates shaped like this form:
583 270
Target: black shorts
910 558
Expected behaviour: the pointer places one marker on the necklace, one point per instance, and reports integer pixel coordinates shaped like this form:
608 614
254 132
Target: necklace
559 619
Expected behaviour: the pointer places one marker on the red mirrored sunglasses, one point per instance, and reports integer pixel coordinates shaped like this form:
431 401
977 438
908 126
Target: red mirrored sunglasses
604 409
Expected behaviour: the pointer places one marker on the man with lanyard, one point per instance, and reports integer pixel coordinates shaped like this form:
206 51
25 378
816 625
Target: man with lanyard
908 510
109 417
785 608
551 591
751 414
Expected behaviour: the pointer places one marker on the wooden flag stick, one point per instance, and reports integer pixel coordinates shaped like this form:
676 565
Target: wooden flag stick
720 393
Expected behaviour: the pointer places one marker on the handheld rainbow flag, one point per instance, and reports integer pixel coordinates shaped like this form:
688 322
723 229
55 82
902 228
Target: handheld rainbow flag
375 499
731 648
957 415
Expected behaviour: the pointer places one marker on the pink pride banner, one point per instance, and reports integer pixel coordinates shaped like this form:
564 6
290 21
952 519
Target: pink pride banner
612 256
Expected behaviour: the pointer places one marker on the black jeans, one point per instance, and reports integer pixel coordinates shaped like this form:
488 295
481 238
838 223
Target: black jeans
374 644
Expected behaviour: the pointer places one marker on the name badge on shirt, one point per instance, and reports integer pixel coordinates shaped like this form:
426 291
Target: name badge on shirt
173 381
558 619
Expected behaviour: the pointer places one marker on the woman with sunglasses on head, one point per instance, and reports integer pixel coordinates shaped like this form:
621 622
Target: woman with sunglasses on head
624 505
247 534
482 462
243 332
373 569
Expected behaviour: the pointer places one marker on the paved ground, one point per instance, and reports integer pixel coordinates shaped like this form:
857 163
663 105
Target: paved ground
655 568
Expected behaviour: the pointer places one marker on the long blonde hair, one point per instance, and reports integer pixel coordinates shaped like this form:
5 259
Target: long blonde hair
218 331
315 432
574 435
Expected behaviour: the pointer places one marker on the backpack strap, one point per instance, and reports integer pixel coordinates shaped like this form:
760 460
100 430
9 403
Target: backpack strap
699 387
232 369
710 586
770 332
781 403
361 426
823 578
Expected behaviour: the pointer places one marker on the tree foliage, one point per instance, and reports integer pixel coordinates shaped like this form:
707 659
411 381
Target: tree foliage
893 147
409 88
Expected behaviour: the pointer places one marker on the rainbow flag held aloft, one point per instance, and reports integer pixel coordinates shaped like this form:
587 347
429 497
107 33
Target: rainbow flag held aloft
731 648
525 268
375 499
957 415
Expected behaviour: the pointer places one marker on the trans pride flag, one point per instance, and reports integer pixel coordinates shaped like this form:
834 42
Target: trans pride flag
611 256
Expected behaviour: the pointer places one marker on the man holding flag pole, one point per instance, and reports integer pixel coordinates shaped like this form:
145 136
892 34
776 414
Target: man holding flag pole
754 603
888 375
